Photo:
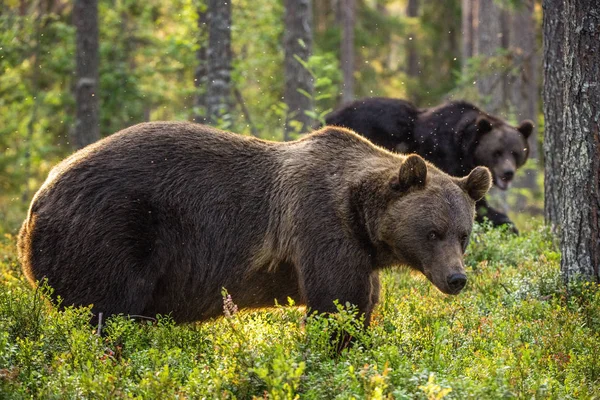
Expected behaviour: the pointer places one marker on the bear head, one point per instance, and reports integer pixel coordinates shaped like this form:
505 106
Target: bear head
428 224
502 148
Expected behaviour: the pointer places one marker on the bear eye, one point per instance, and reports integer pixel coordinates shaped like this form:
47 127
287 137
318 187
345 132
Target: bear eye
433 235
497 154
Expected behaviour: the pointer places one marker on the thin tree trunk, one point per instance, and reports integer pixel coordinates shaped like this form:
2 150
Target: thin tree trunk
348 9
523 84
33 119
242 103
468 29
87 127
412 56
200 74
489 38
571 71
218 96
524 88
298 80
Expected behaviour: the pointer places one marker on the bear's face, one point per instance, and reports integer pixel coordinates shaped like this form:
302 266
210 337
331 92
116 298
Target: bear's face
502 148
429 225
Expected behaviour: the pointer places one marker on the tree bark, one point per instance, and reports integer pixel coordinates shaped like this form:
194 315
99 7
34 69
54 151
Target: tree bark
201 72
572 146
412 56
87 127
347 10
218 95
298 80
554 78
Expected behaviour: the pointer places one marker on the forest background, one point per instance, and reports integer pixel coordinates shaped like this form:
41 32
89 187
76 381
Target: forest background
525 326
155 62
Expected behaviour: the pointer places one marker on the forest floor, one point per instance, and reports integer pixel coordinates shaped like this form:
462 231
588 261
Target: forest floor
513 332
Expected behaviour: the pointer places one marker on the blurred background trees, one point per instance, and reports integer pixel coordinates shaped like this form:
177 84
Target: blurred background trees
271 68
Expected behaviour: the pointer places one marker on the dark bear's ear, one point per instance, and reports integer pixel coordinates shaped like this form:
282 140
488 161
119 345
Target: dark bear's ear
526 128
477 183
484 125
413 173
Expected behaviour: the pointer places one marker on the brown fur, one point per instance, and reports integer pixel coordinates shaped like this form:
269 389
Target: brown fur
159 217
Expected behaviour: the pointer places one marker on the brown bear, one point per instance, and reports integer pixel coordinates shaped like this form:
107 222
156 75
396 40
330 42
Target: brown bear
455 137
159 217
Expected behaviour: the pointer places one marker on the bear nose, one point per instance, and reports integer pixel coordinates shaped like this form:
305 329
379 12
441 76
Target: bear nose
508 175
456 282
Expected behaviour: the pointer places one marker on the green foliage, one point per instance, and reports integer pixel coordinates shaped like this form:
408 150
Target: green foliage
513 332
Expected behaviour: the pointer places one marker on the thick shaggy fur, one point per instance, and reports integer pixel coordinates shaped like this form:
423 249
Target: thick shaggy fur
159 217
456 137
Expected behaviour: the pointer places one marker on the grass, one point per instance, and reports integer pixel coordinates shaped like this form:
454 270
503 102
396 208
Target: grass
512 333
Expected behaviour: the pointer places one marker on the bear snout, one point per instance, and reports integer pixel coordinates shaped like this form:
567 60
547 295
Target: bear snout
456 282
508 175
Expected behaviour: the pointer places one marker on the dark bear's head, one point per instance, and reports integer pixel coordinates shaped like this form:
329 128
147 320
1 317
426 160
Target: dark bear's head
428 224
502 148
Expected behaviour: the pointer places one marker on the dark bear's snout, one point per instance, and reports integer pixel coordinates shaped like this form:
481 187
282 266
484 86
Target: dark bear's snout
456 282
508 175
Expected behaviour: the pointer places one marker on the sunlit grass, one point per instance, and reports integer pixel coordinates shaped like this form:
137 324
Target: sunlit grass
513 332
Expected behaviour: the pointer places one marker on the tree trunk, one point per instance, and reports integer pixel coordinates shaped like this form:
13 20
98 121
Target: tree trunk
200 75
488 39
572 146
87 127
218 94
298 80
554 78
468 29
348 9
412 56
523 81
523 84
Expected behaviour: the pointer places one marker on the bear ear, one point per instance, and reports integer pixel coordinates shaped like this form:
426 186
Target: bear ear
484 125
413 173
477 183
526 128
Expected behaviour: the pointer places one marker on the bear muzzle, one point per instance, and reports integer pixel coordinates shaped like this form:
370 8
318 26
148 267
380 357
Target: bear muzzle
456 282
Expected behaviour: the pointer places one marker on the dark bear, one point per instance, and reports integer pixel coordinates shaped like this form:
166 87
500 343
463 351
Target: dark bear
158 218
456 137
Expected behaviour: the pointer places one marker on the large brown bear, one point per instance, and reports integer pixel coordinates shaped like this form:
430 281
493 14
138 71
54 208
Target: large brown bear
159 217
456 137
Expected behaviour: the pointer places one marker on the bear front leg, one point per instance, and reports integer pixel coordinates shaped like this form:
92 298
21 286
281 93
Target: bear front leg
353 288
496 217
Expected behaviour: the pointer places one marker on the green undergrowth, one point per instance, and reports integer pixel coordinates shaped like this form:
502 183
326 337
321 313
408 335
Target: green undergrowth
512 333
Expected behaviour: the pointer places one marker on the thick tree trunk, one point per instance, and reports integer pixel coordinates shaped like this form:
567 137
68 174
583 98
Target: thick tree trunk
87 127
572 146
298 80
412 56
201 73
218 94
347 10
